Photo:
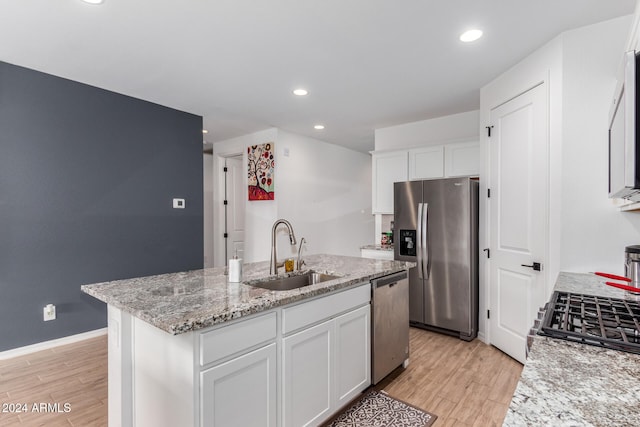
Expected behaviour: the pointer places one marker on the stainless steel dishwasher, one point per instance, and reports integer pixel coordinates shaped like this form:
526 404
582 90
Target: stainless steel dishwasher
389 324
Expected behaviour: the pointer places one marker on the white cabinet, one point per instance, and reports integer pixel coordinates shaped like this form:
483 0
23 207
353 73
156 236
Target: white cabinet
462 159
228 388
292 366
307 365
387 168
353 349
434 161
426 162
327 362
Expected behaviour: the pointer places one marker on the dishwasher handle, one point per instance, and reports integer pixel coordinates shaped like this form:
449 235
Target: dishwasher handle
389 279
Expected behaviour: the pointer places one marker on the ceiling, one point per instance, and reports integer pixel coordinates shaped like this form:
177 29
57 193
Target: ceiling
367 64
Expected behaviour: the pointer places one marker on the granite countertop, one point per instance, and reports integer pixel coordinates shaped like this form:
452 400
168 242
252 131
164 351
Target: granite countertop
192 300
570 384
378 247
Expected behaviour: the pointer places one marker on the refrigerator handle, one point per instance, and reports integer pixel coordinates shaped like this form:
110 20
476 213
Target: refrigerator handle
426 263
419 242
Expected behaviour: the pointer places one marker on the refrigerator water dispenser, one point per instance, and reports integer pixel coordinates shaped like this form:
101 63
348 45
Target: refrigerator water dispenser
408 242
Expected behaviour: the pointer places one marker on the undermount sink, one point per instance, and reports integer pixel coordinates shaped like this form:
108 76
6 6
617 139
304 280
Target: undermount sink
294 281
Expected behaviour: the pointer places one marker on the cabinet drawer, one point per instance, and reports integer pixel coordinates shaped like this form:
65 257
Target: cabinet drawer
308 313
231 339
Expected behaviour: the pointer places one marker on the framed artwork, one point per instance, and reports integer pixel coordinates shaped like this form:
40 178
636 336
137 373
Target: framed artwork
261 166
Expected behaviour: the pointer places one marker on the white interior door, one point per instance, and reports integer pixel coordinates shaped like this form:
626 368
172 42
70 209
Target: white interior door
235 192
518 217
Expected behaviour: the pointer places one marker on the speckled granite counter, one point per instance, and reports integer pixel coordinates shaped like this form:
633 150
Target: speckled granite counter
187 301
570 384
387 248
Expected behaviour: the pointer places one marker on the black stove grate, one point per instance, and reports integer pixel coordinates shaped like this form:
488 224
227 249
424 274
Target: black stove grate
604 322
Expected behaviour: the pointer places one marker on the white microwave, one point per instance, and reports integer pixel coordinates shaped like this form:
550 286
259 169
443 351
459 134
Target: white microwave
624 150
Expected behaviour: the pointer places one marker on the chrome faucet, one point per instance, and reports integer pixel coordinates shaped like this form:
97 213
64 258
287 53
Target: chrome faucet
273 269
300 260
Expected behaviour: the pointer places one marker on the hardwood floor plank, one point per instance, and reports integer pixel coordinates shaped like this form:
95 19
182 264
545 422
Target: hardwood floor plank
455 380
75 374
90 415
471 403
506 381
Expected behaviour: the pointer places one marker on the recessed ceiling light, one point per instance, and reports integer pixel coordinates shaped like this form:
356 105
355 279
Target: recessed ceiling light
93 1
205 131
470 36
300 92
318 127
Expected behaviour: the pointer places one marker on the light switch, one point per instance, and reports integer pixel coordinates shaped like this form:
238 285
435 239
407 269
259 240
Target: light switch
178 203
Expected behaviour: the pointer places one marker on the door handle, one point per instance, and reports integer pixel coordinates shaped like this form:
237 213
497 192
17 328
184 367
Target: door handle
419 242
425 233
536 266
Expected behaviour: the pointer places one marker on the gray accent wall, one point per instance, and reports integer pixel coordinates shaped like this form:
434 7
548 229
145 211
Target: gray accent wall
87 179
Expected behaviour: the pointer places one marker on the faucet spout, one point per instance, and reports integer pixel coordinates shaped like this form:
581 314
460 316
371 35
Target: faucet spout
274 264
300 260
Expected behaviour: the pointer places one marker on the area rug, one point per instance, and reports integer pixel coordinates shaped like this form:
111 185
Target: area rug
378 409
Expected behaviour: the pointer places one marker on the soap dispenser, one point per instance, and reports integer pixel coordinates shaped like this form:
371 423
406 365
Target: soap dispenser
235 269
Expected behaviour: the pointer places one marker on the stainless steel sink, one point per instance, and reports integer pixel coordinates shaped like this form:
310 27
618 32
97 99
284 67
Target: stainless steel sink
293 281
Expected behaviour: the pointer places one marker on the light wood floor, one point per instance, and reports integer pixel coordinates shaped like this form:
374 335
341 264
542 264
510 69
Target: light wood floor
464 384
75 374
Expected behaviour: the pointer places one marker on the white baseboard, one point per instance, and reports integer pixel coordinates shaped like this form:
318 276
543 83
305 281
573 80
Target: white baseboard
45 345
482 338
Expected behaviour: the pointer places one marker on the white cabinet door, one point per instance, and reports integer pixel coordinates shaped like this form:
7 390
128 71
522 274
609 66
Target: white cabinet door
387 168
307 369
241 392
426 163
353 354
462 159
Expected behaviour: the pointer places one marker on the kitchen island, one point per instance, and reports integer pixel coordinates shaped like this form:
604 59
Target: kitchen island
572 384
191 348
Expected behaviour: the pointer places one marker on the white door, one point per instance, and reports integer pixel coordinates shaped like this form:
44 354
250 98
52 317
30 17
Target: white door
242 391
518 217
235 196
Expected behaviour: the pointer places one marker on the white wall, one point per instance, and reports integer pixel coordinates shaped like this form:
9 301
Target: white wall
260 215
453 128
324 191
594 231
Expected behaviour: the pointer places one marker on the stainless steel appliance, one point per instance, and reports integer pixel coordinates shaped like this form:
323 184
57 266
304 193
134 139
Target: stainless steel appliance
632 264
604 322
389 324
436 226
624 133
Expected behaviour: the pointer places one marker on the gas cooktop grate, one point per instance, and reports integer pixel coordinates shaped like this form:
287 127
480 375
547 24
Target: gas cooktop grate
604 322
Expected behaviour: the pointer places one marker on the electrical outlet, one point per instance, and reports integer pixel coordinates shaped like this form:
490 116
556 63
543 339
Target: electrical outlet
178 203
49 312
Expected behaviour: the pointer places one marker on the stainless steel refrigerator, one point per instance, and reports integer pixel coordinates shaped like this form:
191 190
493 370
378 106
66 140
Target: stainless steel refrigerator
436 226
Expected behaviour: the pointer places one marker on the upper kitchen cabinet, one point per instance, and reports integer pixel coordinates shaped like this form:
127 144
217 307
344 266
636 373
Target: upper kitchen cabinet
426 163
431 162
462 159
387 168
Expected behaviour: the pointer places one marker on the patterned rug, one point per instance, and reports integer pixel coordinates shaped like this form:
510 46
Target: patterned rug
378 409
